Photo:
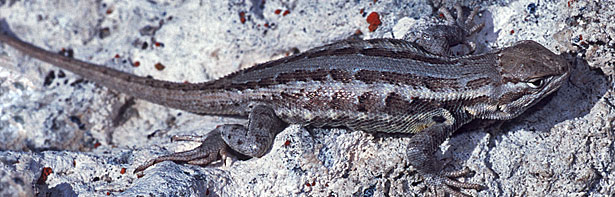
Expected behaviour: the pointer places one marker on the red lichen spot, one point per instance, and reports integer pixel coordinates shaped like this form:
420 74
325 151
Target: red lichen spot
109 11
375 1
362 10
44 174
117 56
374 21
580 37
108 193
285 13
74 163
242 17
373 18
158 44
97 144
266 25
123 171
512 32
372 28
140 175
314 182
47 171
136 64
308 184
278 11
287 143
159 66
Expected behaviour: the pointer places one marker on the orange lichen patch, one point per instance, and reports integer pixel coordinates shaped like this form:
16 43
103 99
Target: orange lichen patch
278 11
123 171
285 13
109 11
512 32
136 64
242 17
44 174
374 21
159 66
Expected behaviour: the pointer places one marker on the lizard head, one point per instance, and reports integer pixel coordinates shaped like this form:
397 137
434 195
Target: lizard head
529 73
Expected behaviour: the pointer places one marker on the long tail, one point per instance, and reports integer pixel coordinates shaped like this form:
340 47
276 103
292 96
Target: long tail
176 95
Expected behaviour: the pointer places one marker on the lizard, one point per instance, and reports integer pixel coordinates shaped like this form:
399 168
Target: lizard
413 85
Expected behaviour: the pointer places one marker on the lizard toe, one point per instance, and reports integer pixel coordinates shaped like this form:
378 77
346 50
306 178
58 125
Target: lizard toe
445 183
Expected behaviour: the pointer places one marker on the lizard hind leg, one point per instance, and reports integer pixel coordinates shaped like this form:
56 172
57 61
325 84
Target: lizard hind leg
228 140
257 139
210 150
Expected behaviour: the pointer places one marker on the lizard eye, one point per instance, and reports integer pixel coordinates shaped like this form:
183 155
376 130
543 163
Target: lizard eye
536 83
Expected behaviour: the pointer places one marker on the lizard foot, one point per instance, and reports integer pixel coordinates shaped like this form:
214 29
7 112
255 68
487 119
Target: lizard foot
466 25
445 183
438 39
212 148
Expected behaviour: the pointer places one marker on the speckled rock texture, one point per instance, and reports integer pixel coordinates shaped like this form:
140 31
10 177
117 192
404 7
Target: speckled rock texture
63 135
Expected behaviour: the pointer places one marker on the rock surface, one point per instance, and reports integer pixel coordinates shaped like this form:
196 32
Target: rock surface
63 135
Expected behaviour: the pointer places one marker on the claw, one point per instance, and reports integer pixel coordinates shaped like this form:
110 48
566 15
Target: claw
191 138
445 182
464 24
472 15
447 15
459 13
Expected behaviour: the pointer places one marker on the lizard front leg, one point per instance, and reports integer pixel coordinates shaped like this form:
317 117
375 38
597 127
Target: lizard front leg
254 141
438 39
422 147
